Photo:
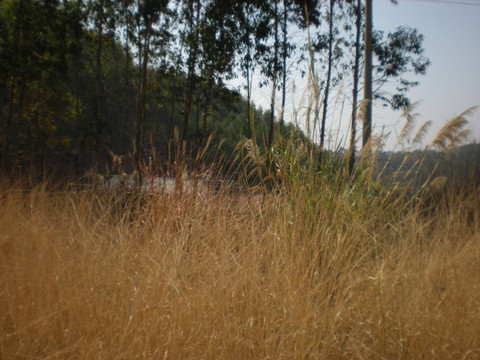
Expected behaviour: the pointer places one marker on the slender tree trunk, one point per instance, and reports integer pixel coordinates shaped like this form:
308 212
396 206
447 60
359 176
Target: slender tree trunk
189 93
98 101
329 76
206 110
8 124
76 64
174 88
126 81
367 121
141 102
17 124
197 119
274 80
249 99
172 109
11 98
249 87
172 115
206 113
192 60
249 72
284 68
351 155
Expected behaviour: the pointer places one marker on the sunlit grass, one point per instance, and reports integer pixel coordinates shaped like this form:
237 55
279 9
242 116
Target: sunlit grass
295 273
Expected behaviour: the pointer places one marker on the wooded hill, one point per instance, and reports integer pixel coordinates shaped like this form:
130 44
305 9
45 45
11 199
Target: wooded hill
84 81
455 168
80 85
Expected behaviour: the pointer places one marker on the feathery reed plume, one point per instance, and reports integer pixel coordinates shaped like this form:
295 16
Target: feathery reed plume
439 183
453 132
411 119
418 138
450 136
249 156
253 152
361 111
370 152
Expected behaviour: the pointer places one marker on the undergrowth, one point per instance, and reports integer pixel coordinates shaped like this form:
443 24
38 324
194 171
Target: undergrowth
299 261
310 266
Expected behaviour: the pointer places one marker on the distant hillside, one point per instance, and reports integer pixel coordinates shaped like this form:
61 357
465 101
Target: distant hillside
459 167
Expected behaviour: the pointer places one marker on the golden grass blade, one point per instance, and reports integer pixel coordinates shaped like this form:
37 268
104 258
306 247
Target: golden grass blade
314 273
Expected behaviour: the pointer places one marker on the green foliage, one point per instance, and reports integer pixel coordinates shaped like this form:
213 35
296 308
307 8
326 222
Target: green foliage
36 49
399 54
81 79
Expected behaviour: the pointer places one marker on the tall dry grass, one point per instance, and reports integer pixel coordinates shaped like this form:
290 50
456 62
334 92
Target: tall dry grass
294 274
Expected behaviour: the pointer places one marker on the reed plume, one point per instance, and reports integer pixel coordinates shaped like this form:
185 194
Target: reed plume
453 132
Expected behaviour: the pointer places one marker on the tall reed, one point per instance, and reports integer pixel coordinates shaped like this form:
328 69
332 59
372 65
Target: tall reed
309 269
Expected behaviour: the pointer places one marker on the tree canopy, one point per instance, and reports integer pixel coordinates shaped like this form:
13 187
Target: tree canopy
82 80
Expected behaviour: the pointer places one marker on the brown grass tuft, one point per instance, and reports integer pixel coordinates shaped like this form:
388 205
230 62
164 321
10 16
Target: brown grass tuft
223 276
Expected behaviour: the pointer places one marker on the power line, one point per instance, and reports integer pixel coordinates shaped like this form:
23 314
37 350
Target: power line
449 2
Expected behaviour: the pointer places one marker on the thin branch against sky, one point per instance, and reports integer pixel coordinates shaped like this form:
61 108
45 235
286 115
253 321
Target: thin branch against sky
452 84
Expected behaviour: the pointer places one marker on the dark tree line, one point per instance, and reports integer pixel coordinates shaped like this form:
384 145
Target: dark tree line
85 80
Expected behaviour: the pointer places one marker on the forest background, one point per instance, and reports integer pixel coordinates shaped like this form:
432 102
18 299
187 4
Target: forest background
90 84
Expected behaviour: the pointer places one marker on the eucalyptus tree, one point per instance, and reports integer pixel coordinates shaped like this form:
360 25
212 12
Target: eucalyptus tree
287 49
400 53
175 90
152 24
277 49
190 37
125 16
357 11
330 44
218 41
294 14
252 29
367 86
247 17
404 45
209 35
392 57
386 61
99 8
35 52
268 51
101 13
273 71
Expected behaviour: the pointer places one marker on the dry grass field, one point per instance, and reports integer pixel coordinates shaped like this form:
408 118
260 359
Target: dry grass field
288 275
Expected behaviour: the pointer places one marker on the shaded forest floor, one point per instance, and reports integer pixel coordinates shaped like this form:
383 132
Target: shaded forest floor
287 275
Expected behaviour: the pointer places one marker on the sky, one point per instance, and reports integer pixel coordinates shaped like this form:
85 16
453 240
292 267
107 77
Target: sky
452 43
452 84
